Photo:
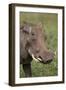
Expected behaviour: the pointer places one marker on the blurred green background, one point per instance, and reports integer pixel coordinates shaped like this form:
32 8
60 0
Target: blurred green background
50 25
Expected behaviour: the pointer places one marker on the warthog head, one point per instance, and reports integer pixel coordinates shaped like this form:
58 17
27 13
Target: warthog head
34 43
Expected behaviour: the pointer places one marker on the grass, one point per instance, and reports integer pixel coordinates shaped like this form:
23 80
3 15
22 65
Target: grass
49 22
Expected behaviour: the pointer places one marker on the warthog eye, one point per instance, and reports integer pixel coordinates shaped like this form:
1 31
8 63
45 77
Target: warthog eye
33 36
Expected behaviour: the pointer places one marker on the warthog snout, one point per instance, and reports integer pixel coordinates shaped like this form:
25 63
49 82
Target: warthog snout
47 57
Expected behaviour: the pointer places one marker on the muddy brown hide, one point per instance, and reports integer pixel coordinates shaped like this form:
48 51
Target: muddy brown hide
32 44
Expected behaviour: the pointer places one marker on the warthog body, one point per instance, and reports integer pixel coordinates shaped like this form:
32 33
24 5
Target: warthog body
32 46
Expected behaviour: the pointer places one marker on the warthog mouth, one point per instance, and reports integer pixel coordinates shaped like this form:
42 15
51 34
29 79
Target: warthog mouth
36 59
40 59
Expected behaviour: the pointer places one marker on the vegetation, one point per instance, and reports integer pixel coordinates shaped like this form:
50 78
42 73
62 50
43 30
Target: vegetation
49 22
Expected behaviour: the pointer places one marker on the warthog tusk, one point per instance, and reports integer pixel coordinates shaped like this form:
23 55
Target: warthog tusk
35 58
39 59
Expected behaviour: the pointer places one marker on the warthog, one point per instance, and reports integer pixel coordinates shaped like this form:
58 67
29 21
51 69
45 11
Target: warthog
32 46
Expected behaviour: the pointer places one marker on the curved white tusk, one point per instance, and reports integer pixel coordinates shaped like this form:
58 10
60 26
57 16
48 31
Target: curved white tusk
39 59
35 58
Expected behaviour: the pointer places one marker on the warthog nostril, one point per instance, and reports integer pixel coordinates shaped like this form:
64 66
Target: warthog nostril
48 61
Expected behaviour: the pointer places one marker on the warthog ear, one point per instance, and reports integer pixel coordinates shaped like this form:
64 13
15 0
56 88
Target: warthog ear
26 27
